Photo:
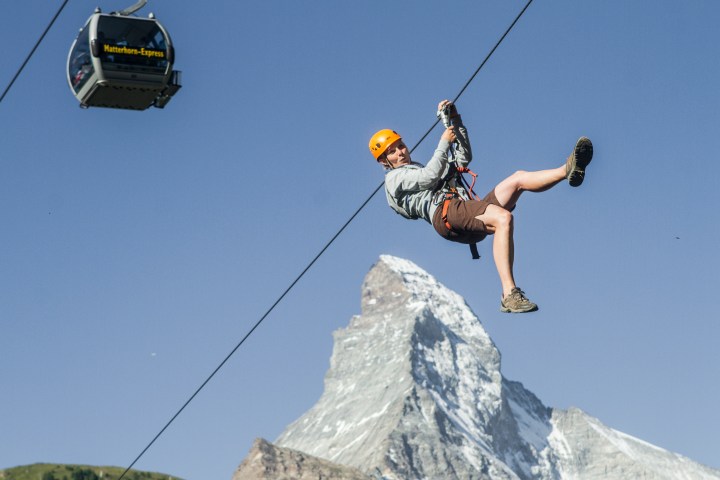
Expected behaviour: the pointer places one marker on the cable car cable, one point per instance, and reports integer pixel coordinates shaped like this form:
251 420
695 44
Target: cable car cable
312 262
42 37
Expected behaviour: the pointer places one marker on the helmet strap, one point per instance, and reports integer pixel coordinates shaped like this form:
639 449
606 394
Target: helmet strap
382 160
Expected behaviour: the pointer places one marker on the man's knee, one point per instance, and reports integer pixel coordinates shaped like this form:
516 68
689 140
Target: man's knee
518 180
497 217
508 191
505 218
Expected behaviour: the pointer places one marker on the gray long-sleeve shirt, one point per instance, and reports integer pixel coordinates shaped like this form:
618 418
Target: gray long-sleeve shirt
411 189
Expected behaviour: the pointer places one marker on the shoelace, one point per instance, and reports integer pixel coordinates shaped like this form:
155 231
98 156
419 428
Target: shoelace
519 295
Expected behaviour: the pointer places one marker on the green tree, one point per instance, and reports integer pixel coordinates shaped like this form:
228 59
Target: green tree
84 474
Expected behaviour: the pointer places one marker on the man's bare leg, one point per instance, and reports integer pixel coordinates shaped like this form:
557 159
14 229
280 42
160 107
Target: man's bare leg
499 220
509 190
499 223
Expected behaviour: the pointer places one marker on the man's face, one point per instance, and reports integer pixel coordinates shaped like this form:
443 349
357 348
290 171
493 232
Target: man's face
397 154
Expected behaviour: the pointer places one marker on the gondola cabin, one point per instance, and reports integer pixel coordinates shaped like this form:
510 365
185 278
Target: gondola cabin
122 61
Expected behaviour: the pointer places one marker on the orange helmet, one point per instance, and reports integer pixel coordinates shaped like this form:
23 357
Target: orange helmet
381 141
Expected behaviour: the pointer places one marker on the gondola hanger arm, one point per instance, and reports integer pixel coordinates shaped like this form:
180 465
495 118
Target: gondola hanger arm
132 9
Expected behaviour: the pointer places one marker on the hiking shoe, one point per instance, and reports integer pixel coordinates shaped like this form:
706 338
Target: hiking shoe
517 302
578 160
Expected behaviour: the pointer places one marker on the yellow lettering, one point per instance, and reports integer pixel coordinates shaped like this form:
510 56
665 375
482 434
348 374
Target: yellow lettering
123 50
152 53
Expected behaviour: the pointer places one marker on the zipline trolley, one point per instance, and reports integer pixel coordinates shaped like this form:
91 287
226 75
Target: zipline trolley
122 61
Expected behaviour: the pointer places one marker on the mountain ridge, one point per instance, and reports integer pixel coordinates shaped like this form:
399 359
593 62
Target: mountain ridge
414 390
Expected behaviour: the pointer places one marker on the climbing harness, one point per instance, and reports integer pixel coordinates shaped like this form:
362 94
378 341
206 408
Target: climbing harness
449 188
450 192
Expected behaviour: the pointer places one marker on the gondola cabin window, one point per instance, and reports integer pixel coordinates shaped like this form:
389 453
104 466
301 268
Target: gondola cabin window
80 67
136 44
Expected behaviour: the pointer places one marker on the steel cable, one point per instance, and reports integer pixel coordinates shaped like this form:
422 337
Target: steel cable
37 44
317 257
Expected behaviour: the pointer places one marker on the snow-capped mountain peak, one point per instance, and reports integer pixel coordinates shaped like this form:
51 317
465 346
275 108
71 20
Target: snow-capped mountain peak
414 391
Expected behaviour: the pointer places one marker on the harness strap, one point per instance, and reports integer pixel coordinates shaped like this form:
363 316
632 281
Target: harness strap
469 188
446 205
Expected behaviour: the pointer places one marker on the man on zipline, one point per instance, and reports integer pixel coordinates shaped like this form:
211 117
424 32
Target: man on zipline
435 193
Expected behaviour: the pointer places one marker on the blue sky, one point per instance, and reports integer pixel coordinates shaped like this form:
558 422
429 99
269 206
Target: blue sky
139 247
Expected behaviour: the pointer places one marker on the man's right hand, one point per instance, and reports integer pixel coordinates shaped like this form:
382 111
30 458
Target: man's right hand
449 134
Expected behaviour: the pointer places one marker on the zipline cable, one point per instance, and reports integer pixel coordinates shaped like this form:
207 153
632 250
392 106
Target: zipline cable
37 44
477 70
315 259
250 332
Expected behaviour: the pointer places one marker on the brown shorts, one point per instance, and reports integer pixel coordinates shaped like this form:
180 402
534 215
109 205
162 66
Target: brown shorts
461 215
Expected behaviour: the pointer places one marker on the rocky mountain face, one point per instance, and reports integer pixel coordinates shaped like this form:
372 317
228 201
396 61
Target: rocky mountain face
415 391
268 461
